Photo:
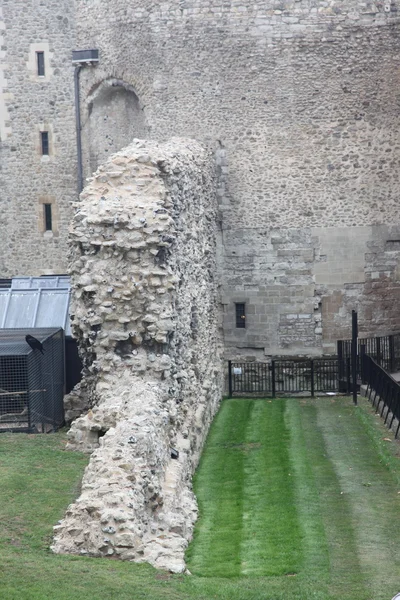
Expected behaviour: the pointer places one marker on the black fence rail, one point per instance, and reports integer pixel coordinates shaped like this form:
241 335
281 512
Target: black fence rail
281 377
385 350
382 390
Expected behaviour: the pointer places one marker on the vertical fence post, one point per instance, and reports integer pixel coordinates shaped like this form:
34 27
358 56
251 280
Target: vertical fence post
348 371
395 352
354 336
362 362
391 354
340 358
273 379
341 366
312 378
378 350
43 394
29 408
230 378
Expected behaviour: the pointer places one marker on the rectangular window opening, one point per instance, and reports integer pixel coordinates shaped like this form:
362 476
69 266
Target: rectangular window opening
48 221
240 315
40 63
44 135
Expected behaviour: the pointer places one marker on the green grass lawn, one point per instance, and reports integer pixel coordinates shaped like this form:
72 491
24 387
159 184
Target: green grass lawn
306 490
298 499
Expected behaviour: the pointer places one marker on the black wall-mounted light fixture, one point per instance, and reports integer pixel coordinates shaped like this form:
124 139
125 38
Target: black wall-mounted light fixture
85 57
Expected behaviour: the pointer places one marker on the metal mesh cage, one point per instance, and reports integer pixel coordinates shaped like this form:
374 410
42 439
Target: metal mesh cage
31 380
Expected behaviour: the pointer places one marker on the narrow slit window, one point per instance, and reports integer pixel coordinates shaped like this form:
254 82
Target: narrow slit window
48 221
44 136
40 63
240 315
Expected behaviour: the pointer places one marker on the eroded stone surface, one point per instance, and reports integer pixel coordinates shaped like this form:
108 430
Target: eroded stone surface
146 314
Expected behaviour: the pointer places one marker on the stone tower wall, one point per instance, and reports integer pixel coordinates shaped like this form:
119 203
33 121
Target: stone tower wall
300 102
30 104
146 312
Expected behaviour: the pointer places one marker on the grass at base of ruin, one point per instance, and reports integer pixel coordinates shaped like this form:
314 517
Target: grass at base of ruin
331 535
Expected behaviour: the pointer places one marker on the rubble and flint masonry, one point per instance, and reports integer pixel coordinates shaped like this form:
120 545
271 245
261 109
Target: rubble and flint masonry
146 314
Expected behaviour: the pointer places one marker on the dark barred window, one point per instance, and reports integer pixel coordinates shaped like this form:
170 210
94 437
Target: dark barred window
44 135
240 315
40 63
48 222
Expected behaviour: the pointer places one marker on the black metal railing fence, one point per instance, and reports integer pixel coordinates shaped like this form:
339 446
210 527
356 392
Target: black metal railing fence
385 350
374 360
382 390
284 376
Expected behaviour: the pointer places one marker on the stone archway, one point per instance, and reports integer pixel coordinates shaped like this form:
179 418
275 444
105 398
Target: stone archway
114 118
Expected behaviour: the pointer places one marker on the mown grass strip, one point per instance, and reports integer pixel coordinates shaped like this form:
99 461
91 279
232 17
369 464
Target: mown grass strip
248 519
344 575
217 540
370 498
382 439
271 540
303 469
307 498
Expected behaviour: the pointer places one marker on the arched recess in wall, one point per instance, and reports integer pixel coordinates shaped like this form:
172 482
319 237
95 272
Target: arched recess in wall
114 118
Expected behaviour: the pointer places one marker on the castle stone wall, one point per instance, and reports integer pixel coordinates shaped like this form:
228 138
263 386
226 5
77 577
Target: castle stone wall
114 119
299 100
29 104
147 316
301 285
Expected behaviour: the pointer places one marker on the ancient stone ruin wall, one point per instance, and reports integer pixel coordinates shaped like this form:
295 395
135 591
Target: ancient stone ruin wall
146 314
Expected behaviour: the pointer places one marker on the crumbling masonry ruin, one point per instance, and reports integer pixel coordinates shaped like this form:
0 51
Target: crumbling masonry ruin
146 314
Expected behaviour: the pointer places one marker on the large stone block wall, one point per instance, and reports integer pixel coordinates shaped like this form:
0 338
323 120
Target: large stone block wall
301 285
146 313
30 104
299 101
